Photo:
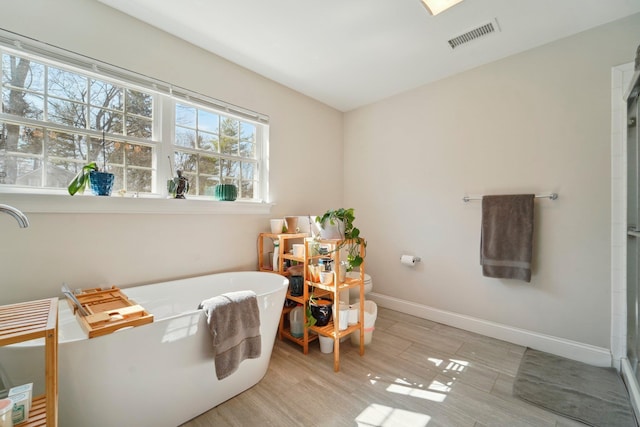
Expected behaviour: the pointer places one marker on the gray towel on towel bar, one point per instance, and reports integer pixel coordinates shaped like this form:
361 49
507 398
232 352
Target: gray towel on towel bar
506 239
234 322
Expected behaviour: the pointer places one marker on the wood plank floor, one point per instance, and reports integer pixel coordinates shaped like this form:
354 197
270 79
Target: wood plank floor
415 373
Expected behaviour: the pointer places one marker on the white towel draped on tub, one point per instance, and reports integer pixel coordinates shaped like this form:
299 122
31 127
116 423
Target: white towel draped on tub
234 322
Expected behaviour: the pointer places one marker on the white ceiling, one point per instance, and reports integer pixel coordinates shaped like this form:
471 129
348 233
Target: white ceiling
348 53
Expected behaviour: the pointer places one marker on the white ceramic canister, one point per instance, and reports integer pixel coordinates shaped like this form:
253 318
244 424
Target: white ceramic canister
276 226
343 316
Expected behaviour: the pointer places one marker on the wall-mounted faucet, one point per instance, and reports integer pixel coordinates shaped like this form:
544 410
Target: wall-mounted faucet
23 222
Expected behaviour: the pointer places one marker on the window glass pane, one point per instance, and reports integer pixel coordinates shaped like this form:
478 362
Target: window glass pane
23 104
115 151
209 166
118 182
247 140
107 120
139 155
207 185
229 136
67 146
229 181
67 85
29 171
208 141
186 162
208 121
248 170
112 151
139 127
185 137
21 139
139 180
21 150
139 103
106 95
230 168
94 152
60 173
22 73
67 113
185 116
247 189
20 170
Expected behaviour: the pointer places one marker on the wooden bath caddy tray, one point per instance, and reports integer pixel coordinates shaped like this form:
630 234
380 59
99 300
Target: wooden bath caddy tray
109 310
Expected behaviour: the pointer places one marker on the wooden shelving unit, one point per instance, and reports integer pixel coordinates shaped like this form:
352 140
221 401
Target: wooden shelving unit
319 290
285 239
333 290
285 242
28 321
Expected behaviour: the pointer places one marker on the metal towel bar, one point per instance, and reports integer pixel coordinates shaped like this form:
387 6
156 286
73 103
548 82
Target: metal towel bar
552 196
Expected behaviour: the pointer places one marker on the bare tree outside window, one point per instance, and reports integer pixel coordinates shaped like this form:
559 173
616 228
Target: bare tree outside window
51 156
215 149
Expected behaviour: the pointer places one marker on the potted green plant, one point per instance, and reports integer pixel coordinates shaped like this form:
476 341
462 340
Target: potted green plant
349 234
101 182
81 180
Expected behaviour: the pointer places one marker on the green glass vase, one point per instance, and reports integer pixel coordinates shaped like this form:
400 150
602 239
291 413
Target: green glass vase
226 192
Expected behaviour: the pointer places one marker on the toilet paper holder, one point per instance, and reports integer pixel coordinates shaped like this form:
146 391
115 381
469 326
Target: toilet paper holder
409 260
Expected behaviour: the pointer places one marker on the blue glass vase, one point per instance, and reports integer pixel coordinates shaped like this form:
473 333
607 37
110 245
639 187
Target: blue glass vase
101 183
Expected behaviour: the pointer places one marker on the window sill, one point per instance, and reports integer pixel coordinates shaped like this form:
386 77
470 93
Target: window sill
59 203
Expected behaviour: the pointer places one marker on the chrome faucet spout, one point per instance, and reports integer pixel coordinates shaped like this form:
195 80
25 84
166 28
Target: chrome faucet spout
23 222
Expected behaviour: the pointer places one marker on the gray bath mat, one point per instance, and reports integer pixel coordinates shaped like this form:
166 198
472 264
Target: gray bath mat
595 396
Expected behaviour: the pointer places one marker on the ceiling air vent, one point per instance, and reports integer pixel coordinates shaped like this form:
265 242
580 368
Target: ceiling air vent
476 33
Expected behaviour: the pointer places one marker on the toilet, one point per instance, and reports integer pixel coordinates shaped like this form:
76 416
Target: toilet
354 293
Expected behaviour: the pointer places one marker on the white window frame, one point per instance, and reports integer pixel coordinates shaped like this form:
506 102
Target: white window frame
40 200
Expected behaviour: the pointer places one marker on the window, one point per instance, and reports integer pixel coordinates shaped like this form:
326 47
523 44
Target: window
211 149
56 118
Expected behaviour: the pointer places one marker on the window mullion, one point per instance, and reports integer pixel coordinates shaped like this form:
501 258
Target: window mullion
164 133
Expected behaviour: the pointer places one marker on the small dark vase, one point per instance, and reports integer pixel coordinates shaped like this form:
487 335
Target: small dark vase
296 286
321 311
226 192
101 182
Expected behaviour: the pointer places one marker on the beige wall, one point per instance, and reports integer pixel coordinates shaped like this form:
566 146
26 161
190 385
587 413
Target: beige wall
132 249
537 122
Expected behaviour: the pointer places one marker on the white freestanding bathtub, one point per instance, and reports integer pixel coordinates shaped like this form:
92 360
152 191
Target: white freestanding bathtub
159 374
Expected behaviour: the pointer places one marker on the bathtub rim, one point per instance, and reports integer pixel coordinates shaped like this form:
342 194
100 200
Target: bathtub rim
64 309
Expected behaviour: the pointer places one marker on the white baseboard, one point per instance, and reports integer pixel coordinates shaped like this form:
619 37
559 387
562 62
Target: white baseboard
586 353
632 385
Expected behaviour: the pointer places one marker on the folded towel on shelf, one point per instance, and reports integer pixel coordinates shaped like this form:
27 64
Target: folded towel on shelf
506 239
234 322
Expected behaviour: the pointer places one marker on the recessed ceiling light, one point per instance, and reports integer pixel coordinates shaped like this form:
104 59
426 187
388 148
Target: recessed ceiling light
436 6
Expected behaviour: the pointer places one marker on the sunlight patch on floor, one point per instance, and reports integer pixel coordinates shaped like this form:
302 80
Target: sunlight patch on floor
440 387
385 416
416 392
456 365
435 361
373 379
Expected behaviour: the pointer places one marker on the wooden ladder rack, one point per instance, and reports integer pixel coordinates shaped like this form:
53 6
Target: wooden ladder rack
28 321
